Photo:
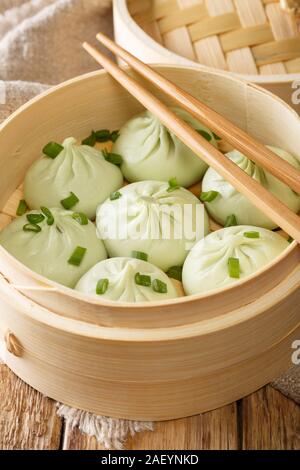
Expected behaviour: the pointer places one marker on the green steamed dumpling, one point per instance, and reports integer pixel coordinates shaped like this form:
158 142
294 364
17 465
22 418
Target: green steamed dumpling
49 250
127 280
78 169
152 218
151 152
249 249
230 202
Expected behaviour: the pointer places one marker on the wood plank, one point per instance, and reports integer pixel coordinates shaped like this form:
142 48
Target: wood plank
270 421
27 419
214 430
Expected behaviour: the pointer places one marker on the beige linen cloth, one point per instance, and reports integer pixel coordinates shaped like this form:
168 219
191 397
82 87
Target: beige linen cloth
40 45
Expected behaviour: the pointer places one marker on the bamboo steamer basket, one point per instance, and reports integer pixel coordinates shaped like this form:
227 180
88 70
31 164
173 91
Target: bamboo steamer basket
257 39
152 361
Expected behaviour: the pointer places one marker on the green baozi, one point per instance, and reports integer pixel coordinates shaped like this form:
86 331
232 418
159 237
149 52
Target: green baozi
127 280
151 152
230 202
78 170
225 256
159 219
58 244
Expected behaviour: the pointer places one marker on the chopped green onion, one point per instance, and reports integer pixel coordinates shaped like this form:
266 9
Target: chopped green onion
142 280
204 134
81 218
234 267
32 228
159 286
90 140
173 185
139 255
59 229
103 135
231 221
70 201
114 136
52 150
216 136
48 214
35 218
22 208
290 239
175 272
113 158
114 196
77 256
209 196
102 286
252 234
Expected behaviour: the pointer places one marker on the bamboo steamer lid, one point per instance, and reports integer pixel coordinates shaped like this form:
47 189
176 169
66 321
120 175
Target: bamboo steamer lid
250 37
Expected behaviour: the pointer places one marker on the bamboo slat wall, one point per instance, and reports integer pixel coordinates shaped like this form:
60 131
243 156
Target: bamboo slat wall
243 36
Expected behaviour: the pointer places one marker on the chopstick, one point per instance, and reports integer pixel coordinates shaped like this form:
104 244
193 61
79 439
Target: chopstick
255 192
220 125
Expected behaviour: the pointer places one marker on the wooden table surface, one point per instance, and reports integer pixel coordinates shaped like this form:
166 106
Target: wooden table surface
264 420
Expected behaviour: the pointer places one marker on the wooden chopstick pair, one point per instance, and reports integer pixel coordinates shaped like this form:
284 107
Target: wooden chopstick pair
256 193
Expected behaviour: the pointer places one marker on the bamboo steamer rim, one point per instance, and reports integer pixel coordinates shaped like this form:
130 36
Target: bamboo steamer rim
123 13
48 284
42 315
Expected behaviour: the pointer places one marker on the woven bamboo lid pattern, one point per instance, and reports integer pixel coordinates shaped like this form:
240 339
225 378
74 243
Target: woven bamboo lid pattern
243 36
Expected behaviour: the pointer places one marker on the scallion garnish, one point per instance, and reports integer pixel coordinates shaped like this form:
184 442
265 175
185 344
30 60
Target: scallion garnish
90 140
231 221
70 201
290 239
102 286
209 196
159 286
103 135
81 218
77 256
216 136
22 208
142 280
35 219
114 136
139 255
252 234
32 228
113 158
234 267
175 272
48 214
204 134
173 185
114 196
52 150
